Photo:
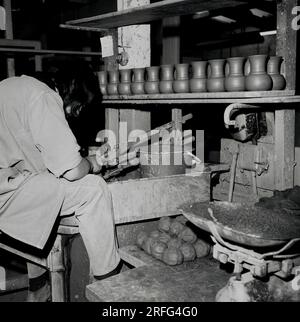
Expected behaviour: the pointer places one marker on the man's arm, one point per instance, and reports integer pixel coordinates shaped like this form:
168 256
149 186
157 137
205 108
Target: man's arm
86 166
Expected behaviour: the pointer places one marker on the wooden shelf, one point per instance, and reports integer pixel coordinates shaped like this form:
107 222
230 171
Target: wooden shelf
154 11
286 96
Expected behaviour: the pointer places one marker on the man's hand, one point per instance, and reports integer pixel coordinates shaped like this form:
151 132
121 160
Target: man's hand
105 156
95 166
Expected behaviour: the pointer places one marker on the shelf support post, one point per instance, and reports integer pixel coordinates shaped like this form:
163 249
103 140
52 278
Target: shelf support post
286 47
135 40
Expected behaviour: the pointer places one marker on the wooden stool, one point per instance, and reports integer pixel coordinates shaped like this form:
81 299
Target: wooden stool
55 262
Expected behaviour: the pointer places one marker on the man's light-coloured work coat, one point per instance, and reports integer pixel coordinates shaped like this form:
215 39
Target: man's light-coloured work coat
36 147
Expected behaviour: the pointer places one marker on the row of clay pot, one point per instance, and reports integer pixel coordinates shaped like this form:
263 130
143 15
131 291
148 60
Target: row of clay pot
257 73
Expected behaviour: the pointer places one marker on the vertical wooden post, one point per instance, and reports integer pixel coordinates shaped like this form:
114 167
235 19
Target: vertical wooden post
171 55
135 40
112 114
9 35
285 119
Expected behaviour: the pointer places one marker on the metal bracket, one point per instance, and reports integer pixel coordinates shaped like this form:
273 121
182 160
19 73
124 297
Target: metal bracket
232 107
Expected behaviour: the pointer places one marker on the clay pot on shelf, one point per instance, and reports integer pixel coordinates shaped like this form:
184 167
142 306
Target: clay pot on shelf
216 80
273 69
125 82
113 81
152 80
181 82
235 81
166 79
137 85
198 80
102 79
258 79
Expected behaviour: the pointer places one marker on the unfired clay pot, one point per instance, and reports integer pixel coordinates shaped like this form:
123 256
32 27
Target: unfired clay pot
137 85
235 81
124 85
113 81
152 80
181 82
166 79
102 78
274 64
198 80
216 80
258 79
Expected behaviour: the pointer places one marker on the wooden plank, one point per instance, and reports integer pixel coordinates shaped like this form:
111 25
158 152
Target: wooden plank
136 257
201 99
284 149
196 102
219 95
177 119
112 116
153 11
39 261
142 199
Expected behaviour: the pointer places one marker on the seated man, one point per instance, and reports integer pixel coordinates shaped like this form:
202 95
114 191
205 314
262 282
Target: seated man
43 176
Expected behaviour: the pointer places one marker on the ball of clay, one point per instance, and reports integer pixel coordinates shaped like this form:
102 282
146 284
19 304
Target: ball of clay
176 227
157 249
140 238
181 219
164 224
188 252
202 248
155 233
188 235
175 242
164 237
147 244
172 256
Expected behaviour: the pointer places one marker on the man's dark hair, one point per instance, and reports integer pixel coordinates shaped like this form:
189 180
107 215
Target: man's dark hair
79 88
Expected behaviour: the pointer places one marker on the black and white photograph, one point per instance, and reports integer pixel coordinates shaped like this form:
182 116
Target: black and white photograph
149 155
